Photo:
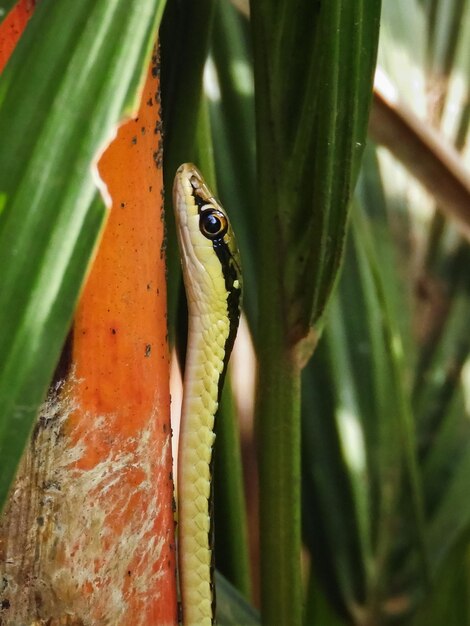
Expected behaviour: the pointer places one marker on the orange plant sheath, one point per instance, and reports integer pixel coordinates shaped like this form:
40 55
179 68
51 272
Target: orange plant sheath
87 536
120 385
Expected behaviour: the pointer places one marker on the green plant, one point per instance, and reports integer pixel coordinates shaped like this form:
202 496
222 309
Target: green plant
369 441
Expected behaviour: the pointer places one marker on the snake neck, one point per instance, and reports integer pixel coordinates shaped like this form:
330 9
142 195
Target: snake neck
205 365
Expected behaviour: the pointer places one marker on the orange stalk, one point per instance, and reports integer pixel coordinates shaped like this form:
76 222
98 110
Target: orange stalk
119 382
87 536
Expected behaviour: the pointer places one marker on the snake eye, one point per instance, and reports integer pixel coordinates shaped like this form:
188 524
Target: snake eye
194 182
213 224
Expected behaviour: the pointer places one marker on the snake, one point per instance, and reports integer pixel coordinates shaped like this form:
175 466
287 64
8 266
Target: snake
213 283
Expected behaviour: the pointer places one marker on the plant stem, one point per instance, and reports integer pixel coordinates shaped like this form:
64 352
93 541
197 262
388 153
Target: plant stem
278 414
278 402
231 534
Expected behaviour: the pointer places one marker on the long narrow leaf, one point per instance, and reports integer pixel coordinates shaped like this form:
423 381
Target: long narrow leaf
59 105
232 608
185 33
311 119
231 94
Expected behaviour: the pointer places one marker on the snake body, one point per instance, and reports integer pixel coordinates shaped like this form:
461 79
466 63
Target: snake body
212 278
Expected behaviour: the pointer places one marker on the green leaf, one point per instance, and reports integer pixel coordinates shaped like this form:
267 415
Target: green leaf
311 122
318 610
231 527
443 428
451 521
358 440
232 608
449 601
333 507
183 59
59 106
231 95
184 35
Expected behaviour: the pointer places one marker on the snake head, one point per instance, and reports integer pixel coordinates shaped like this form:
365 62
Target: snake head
210 257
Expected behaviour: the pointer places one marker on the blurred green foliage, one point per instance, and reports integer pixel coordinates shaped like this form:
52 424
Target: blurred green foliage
375 429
